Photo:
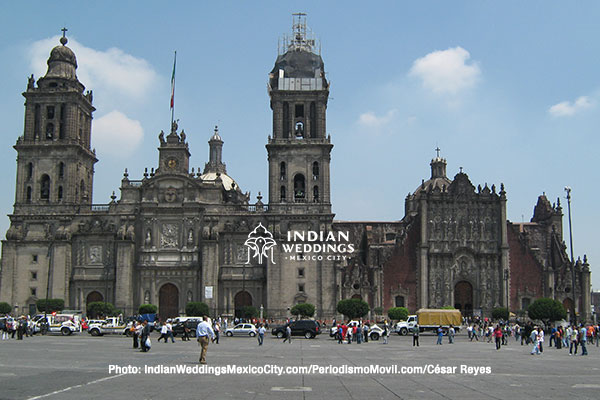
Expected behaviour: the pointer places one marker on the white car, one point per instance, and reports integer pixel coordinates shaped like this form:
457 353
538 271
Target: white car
242 330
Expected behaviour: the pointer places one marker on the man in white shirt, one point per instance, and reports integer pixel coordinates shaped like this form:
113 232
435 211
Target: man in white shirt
261 334
203 332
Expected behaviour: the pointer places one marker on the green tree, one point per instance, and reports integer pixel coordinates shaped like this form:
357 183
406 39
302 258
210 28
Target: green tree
547 310
147 309
500 313
249 312
448 308
50 305
303 310
398 313
196 308
100 308
353 308
5 308
378 310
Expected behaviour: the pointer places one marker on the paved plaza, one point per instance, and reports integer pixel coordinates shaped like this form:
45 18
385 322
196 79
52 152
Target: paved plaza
77 367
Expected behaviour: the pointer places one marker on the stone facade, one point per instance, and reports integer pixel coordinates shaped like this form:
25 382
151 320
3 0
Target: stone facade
176 235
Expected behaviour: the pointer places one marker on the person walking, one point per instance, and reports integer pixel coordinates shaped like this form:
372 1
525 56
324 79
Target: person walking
340 334
288 334
451 333
440 335
583 340
366 332
416 335
534 338
498 337
169 332
359 335
386 332
163 333
145 332
217 330
133 332
261 334
349 334
204 332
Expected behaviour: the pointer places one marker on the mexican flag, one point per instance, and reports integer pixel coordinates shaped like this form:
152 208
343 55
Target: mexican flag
173 83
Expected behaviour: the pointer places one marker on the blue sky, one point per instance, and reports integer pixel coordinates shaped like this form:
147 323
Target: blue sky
509 91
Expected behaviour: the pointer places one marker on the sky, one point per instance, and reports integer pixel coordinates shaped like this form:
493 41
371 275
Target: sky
509 91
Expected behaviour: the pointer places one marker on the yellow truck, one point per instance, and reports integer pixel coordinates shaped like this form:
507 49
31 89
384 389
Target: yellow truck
429 320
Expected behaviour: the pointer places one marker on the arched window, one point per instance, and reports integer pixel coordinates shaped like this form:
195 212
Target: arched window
286 120
61 170
282 193
61 127
45 187
299 187
282 171
29 171
399 301
316 194
28 194
315 170
60 192
313 120
49 131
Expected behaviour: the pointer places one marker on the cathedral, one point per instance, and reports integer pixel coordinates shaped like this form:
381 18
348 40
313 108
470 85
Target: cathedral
176 235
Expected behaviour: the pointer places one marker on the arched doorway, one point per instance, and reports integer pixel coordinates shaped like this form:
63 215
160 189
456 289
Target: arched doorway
168 301
463 298
94 296
241 300
568 304
356 296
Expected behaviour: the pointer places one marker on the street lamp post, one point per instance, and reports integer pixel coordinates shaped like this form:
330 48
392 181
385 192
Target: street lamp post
568 190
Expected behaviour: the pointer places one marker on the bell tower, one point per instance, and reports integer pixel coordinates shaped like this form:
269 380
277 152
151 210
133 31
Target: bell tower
299 150
55 165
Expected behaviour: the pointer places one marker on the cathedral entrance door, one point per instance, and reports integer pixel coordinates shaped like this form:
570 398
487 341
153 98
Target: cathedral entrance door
168 301
93 297
241 300
463 298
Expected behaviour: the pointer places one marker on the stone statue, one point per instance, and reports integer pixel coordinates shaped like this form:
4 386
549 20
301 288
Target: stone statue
182 136
148 238
190 240
161 137
31 82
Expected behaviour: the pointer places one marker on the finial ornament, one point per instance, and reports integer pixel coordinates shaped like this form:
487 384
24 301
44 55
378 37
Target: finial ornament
437 150
63 39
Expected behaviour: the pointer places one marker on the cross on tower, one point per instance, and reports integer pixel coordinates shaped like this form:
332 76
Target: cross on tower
437 149
64 31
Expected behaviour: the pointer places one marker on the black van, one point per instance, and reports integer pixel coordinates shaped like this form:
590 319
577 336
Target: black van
305 327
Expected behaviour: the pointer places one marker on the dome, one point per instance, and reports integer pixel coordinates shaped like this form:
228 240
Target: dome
62 62
228 182
298 64
438 179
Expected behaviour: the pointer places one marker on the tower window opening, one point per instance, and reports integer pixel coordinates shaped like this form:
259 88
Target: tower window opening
61 170
50 112
50 131
282 193
313 120
29 171
28 194
61 128
36 122
60 192
316 194
286 120
45 187
282 171
315 170
82 190
299 111
299 130
299 188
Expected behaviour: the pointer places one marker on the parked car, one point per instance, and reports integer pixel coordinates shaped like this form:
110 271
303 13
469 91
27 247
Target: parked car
242 330
305 327
112 325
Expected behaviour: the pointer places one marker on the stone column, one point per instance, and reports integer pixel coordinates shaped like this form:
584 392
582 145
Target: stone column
586 312
423 301
124 266
504 265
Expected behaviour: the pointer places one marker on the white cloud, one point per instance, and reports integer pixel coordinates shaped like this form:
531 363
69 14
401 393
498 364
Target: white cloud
117 135
567 109
370 119
446 71
113 72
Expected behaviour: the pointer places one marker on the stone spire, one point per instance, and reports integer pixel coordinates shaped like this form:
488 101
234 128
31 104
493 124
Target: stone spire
215 163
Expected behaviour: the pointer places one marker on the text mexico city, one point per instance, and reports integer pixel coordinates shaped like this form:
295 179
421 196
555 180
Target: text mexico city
316 246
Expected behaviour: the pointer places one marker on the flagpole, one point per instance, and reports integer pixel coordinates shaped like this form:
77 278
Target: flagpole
173 90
